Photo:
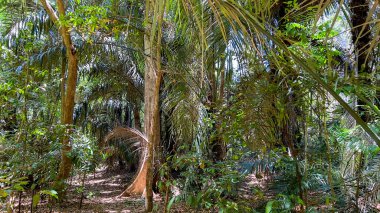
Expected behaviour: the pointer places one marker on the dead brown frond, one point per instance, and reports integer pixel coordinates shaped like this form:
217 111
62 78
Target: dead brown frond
128 133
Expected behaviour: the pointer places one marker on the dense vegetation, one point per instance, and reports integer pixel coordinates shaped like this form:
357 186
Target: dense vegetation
196 99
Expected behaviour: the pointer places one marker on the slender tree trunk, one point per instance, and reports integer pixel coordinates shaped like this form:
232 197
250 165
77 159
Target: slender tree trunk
138 186
328 154
222 79
218 147
68 96
288 130
63 83
136 117
127 115
155 75
143 182
361 38
150 121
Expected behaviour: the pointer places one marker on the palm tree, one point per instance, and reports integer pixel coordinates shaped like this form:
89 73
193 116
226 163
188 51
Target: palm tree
187 52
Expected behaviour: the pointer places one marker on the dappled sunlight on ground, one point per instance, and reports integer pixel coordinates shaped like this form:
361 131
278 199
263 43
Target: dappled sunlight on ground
101 191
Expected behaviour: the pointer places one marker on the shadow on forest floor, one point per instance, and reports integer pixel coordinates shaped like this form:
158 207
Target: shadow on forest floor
100 195
101 190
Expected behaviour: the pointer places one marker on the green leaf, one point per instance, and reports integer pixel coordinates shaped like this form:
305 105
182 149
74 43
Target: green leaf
33 186
269 206
374 150
3 193
170 203
52 193
18 187
36 199
299 200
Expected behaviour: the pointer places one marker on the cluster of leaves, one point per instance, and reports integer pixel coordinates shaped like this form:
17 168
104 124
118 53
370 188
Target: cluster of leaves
88 20
205 184
85 152
29 141
30 110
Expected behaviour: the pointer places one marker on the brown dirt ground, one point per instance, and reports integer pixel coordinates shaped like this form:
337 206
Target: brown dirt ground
100 195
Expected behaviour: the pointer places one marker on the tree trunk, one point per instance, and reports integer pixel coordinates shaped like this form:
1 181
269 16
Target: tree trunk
127 116
218 148
63 82
151 124
136 118
68 96
152 93
143 182
361 38
288 130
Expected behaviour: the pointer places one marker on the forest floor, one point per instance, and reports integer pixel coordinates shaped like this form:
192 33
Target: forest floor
101 190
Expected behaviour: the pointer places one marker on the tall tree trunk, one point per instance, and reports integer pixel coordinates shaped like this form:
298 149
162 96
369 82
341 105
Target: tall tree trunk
155 76
361 38
68 97
138 186
288 130
136 117
143 182
63 82
127 115
218 148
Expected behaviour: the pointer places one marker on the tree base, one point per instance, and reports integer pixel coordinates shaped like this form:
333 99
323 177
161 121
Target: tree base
137 187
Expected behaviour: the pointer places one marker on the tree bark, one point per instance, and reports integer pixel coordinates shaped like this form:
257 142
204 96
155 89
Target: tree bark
218 147
136 117
361 38
63 82
154 76
143 182
288 130
68 96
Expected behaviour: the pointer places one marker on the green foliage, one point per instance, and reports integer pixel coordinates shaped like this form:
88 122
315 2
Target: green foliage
204 184
87 20
283 203
85 152
272 98
8 185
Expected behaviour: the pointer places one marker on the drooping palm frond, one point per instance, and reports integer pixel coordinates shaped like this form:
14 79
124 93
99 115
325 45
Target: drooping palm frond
125 132
11 11
35 28
308 66
181 99
111 85
124 143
